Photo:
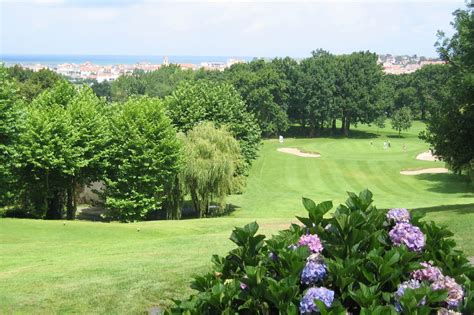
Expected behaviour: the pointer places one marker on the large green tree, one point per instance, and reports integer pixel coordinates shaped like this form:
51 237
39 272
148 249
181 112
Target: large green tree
401 119
358 96
158 83
61 145
194 102
30 83
265 91
9 117
144 157
318 91
451 127
431 89
212 158
290 71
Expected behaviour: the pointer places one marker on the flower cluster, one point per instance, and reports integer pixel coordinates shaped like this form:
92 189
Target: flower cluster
313 272
398 215
312 241
410 284
455 292
440 282
428 273
322 294
409 235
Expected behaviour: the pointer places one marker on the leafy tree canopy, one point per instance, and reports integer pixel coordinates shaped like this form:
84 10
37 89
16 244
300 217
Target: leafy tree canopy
144 157
212 158
451 127
401 119
194 102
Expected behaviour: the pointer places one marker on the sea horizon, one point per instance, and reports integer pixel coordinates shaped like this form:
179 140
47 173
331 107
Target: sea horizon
55 59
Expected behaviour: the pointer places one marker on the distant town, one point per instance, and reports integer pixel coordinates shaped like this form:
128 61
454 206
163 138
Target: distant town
405 64
89 71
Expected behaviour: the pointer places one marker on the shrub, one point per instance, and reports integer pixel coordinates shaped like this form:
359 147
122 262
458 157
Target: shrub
355 261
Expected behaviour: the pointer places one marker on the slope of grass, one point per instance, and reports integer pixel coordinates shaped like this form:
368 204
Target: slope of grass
278 180
89 267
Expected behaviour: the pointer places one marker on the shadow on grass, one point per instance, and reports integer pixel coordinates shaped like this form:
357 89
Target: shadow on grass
91 214
456 208
448 183
303 132
189 213
395 137
94 213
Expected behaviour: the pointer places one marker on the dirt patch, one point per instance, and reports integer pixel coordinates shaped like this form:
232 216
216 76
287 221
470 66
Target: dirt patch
298 152
427 156
436 170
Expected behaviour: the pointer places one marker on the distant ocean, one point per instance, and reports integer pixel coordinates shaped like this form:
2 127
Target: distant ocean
52 60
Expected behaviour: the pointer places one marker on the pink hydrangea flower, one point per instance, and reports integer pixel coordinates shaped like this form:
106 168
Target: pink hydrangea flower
312 241
455 291
429 273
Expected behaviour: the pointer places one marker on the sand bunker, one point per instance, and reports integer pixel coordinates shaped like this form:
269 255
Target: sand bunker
297 152
436 170
427 156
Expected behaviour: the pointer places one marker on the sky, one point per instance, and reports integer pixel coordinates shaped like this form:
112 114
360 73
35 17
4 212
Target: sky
258 28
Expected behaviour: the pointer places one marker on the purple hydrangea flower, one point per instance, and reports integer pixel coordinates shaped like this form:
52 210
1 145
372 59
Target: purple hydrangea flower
455 292
322 294
409 235
429 273
313 272
398 215
312 241
273 256
410 284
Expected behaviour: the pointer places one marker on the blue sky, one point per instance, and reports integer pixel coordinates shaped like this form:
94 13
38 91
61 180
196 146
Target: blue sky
222 28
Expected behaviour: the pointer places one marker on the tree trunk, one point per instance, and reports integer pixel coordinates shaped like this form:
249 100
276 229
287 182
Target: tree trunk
311 131
333 127
343 123
347 126
71 204
55 205
195 201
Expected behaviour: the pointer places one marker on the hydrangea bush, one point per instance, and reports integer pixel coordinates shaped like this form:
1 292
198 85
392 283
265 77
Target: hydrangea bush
357 260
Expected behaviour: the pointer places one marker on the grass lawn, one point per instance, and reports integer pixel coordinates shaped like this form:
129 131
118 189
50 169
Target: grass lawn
91 267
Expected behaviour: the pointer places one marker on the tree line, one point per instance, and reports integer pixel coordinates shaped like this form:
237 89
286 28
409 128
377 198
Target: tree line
149 152
324 92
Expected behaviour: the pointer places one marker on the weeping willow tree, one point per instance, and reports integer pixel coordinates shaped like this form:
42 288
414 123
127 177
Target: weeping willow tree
213 156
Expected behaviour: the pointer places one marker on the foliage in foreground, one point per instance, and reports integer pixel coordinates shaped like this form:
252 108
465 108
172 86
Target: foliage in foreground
359 260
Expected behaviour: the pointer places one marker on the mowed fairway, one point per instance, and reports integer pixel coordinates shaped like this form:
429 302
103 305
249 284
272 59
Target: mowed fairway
88 267
279 180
